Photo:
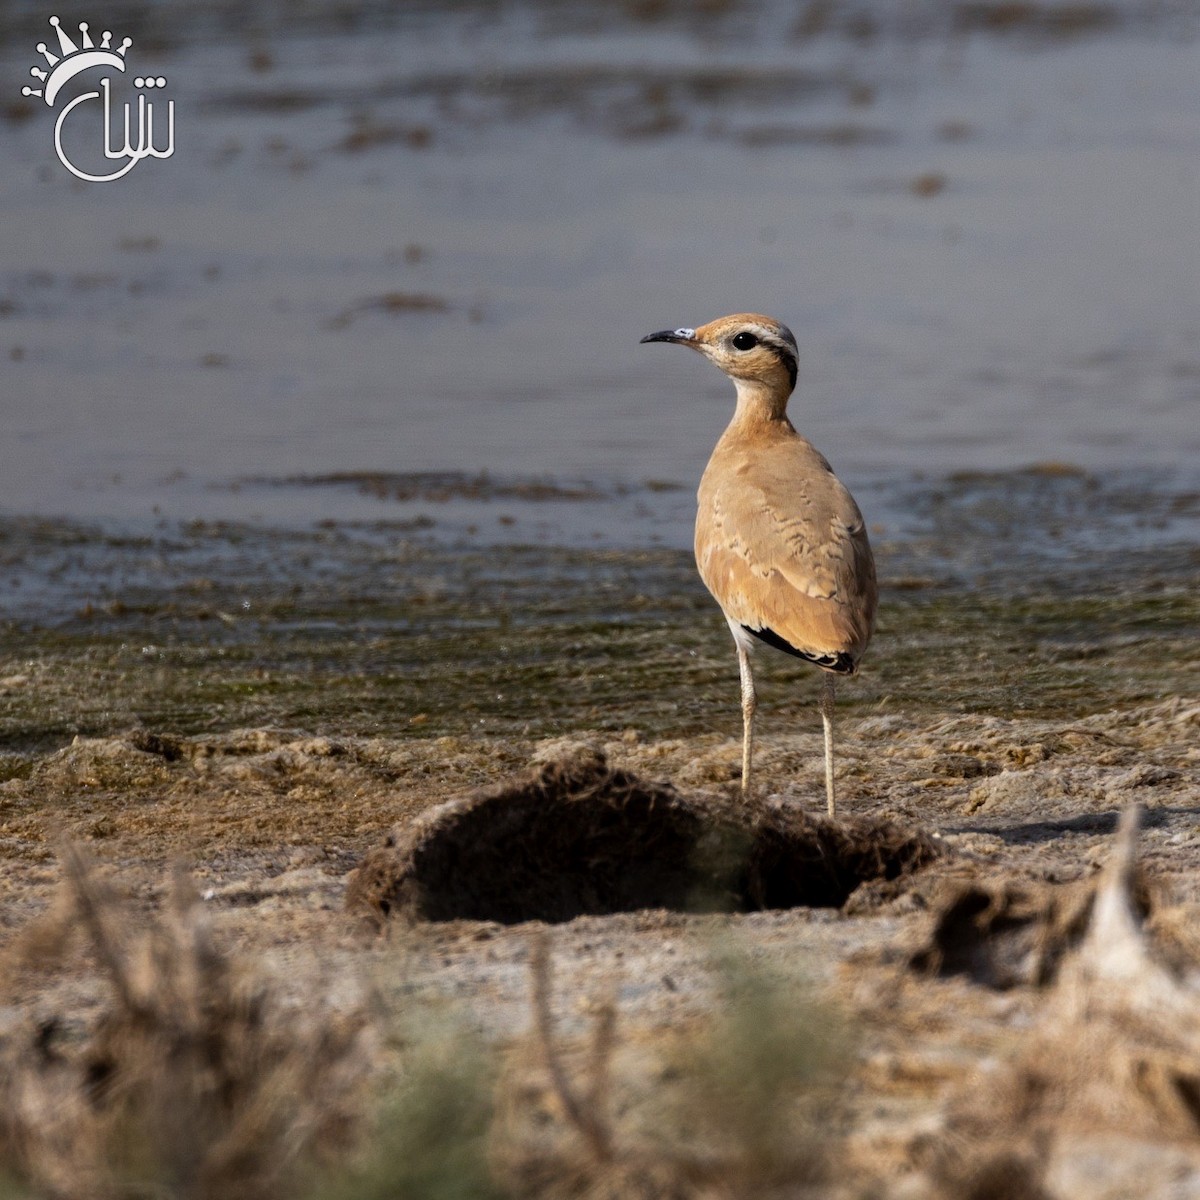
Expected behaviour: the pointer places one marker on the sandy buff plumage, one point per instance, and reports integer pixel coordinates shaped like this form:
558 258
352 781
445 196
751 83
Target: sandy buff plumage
780 542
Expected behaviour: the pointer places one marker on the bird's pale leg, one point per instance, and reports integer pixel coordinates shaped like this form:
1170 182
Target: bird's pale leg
749 703
828 694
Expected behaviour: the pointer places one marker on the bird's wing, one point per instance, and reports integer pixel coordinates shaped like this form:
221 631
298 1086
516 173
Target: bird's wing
782 546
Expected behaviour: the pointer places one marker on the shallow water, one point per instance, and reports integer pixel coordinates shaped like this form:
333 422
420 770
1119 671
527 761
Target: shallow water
430 241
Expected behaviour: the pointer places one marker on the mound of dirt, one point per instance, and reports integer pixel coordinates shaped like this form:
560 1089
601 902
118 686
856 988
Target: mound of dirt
1100 1098
1004 933
577 837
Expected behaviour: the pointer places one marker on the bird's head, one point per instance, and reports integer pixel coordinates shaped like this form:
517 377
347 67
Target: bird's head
751 349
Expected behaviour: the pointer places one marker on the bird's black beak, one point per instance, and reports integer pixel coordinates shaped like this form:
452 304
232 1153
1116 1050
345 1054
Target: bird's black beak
683 336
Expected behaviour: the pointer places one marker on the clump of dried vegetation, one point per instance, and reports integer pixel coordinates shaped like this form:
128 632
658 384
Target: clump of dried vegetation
733 1112
198 1080
195 1081
1102 1096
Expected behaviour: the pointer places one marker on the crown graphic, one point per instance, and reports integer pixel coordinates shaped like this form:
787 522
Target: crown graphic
73 59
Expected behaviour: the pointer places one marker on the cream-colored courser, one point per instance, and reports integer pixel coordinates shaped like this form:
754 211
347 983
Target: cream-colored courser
780 542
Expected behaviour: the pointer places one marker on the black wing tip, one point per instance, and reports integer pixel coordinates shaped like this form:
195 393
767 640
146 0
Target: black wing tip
840 663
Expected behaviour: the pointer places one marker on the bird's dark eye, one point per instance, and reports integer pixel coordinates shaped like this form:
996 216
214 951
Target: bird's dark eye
745 341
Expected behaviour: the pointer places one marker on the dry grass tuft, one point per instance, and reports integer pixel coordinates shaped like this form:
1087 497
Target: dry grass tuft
587 1111
430 1134
752 1087
1115 1058
194 1082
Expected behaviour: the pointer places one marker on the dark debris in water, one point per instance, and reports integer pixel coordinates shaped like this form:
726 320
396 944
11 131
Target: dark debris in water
438 487
1032 19
841 134
414 106
169 23
391 304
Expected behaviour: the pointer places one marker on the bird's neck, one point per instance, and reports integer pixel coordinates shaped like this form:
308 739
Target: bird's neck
759 403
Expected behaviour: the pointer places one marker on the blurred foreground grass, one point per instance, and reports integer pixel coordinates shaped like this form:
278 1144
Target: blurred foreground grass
197 1080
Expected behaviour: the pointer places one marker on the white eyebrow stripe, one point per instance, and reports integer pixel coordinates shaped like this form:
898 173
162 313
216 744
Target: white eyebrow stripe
771 337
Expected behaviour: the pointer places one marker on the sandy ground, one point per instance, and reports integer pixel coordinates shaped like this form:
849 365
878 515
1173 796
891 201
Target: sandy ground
271 824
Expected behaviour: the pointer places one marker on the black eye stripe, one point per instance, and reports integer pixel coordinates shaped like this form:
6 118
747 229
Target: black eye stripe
784 353
789 361
745 340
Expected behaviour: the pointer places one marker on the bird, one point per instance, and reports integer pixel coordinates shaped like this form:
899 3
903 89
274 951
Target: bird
780 542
